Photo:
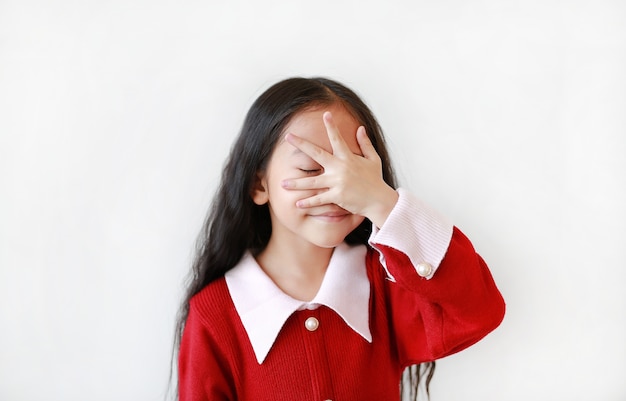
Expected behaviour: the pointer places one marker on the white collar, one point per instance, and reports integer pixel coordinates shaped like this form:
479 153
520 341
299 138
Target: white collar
264 308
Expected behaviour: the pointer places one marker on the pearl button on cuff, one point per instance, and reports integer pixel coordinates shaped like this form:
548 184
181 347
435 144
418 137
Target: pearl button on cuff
311 324
424 269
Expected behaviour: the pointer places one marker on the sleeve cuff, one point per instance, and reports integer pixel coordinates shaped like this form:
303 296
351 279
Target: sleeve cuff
416 230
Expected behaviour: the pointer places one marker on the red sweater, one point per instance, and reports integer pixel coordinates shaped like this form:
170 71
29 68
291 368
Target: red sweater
412 320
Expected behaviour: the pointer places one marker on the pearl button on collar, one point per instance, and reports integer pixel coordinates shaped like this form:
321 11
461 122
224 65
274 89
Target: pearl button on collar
311 324
424 269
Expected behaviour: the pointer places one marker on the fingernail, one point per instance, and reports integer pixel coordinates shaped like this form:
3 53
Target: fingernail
286 184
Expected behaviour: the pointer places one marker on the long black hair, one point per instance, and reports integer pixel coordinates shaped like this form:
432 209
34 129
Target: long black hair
235 223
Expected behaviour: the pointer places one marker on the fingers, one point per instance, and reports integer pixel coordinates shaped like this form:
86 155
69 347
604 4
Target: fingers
339 146
313 151
367 149
313 201
337 143
348 174
307 183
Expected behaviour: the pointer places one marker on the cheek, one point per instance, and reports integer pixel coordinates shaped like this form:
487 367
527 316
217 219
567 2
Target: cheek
287 197
357 220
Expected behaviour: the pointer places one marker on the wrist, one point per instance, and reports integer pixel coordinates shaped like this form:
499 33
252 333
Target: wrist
381 208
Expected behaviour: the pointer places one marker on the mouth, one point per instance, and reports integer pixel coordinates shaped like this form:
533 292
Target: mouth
331 217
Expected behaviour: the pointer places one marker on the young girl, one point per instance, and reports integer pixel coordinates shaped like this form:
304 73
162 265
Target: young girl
316 278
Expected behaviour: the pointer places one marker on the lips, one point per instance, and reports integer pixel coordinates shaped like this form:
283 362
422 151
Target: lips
332 216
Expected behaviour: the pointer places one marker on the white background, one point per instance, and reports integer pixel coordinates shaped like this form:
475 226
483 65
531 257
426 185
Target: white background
116 117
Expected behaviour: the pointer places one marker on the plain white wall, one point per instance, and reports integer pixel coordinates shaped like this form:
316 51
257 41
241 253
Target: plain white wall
115 118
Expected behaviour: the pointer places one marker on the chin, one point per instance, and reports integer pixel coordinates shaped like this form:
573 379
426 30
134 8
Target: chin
329 243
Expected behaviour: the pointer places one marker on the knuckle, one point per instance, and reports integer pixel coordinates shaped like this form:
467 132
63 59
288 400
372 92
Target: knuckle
318 201
317 151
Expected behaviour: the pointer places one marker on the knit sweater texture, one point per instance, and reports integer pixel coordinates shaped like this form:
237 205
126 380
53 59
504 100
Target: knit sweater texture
412 320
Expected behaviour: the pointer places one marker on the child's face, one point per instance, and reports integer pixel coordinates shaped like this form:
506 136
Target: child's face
324 226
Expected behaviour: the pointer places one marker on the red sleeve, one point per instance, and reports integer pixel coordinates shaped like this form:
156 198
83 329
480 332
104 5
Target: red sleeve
202 373
453 310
